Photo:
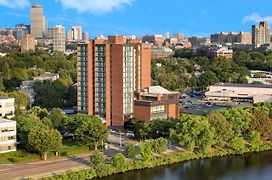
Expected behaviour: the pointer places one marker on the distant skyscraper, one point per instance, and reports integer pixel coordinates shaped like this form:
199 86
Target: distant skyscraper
179 36
167 35
45 27
77 33
69 35
28 43
59 38
85 36
50 33
260 34
21 30
37 20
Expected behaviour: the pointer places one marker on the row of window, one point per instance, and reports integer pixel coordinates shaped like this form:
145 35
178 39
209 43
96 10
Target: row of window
157 109
7 138
7 129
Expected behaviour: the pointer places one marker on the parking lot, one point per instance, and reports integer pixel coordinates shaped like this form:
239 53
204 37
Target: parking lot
194 105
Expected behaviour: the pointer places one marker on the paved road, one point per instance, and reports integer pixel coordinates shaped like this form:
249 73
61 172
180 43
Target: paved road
39 169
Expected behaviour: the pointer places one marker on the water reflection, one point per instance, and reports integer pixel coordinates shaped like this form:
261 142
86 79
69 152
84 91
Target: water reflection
255 166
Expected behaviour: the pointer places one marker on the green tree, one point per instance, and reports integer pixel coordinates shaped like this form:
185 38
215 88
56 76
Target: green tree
239 119
39 112
45 140
261 123
208 78
97 158
193 131
92 133
56 117
118 161
223 129
25 123
255 141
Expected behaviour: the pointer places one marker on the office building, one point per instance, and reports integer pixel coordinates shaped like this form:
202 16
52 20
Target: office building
167 35
59 38
45 27
28 43
85 36
37 21
21 30
7 108
179 36
260 34
161 52
249 93
50 33
156 40
196 41
7 135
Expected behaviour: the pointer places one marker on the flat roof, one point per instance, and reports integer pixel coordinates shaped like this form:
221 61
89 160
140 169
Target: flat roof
244 85
157 90
3 120
2 97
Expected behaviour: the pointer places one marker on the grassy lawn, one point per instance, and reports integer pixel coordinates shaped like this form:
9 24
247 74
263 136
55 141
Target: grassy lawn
21 156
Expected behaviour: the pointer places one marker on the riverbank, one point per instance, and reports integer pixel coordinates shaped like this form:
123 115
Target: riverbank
107 169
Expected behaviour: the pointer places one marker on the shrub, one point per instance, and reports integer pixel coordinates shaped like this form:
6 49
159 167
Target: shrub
130 151
255 141
97 158
118 161
145 150
238 145
159 145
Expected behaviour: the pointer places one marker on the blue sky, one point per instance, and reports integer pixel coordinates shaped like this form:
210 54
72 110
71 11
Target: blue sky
139 17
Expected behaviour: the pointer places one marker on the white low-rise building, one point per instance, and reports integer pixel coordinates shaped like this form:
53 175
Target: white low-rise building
239 93
7 135
7 108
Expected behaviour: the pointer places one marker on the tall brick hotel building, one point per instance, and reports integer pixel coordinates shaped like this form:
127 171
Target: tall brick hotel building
114 82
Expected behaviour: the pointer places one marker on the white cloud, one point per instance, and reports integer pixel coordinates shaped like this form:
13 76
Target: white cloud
14 3
95 6
256 18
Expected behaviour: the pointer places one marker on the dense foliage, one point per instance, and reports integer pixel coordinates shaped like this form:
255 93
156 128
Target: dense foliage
179 72
18 67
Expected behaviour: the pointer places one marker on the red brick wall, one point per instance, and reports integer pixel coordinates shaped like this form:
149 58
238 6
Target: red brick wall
142 113
117 85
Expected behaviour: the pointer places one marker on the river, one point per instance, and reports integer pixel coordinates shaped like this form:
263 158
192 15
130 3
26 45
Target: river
251 166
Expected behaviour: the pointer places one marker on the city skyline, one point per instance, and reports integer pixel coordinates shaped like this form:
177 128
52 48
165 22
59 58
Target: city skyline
152 17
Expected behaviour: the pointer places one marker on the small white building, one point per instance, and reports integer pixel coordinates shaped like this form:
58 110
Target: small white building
7 108
7 135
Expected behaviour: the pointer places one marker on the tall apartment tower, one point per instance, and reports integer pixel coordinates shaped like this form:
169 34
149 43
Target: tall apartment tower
59 38
37 20
77 33
260 34
109 73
